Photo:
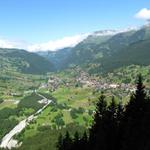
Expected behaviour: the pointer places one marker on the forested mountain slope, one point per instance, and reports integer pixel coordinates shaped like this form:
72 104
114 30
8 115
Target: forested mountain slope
107 52
23 61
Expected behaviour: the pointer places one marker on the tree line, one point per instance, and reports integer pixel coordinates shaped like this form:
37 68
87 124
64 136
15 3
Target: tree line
115 126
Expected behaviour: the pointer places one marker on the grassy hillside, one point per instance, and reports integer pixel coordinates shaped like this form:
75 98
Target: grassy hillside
23 61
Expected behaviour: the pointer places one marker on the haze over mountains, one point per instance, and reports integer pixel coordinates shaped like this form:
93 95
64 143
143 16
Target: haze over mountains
106 50
101 51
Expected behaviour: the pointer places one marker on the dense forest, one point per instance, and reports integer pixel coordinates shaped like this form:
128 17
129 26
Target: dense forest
115 127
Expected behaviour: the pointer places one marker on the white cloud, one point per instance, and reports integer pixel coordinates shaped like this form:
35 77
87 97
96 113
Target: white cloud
50 45
58 44
7 44
143 14
4 43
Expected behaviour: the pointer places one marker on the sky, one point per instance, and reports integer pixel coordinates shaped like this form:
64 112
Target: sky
52 24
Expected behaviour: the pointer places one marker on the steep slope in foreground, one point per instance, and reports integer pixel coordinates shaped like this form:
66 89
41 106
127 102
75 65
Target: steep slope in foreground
23 61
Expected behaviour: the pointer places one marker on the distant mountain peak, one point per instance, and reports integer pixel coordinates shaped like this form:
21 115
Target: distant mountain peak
147 24
113 32
104 32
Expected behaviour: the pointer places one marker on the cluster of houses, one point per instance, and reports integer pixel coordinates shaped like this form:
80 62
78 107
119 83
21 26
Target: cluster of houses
85 80
53 83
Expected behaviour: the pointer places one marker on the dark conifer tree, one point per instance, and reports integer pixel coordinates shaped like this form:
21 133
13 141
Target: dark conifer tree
97 133
60 142
111 125
66 143
120 110
76 141
120 114
76 136
133 120
84 141
103 133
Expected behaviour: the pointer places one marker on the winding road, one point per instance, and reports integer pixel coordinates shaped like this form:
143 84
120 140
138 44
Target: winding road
7 140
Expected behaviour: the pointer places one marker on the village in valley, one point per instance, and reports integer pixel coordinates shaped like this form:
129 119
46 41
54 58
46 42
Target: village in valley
84 80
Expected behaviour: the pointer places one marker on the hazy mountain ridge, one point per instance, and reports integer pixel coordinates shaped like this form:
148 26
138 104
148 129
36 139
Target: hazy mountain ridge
56 57
95 52
101 51
23 61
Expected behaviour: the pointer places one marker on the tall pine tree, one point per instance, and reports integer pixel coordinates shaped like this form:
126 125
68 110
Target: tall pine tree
110 123
97 133
133 121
